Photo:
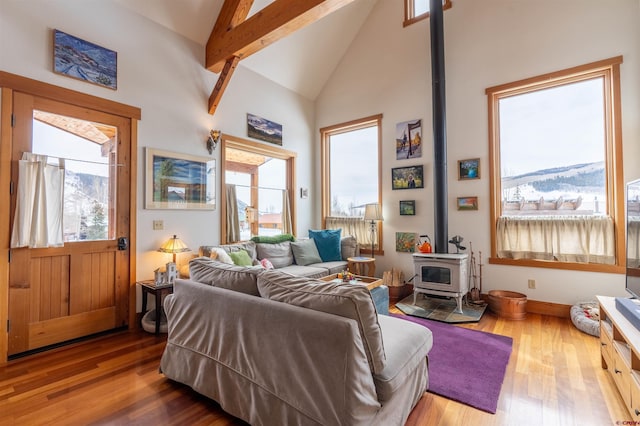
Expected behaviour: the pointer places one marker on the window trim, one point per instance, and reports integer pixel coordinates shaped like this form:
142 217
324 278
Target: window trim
609 69
409 7
325 134
290 157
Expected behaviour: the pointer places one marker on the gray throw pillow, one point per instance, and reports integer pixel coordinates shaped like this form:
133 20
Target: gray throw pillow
305 252
346 300
279 254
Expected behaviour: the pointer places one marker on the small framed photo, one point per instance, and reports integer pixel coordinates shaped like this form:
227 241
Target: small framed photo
467 203
407 177
469 169
408 208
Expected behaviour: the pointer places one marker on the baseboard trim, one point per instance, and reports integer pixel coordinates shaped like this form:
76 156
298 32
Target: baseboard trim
543 308
548 308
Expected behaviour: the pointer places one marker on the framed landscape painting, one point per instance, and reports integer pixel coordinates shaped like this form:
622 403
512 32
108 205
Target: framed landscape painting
467 203
263 129
408 208
79 59
407 177
179 181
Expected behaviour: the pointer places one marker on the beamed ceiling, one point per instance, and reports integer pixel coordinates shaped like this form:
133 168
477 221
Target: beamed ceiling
294 43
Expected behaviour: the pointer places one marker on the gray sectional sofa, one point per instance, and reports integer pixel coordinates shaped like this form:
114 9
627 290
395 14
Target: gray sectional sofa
282 256
288 256
276 349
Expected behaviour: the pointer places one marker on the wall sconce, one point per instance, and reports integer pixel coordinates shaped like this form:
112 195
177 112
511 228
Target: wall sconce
213 140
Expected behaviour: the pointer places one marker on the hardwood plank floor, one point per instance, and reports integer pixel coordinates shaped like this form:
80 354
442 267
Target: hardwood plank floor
554 377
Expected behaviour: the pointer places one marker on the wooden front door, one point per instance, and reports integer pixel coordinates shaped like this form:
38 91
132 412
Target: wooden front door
61 293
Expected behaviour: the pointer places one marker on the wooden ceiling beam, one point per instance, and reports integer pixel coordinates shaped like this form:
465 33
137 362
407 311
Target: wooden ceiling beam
223 80
274 22
233 12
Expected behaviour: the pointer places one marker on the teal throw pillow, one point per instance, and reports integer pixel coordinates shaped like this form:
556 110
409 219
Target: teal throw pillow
328 243
240 258
305 252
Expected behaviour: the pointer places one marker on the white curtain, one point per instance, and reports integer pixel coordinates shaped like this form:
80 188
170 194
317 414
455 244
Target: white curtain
233 221
287 223
586 239
355 226
38 216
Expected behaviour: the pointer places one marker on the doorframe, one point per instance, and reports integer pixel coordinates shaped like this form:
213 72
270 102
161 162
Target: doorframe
10 83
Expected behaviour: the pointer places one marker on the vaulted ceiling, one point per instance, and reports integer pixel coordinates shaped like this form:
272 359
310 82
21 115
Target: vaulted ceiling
302 62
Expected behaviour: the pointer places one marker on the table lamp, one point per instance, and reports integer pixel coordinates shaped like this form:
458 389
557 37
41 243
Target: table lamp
174 246
373 212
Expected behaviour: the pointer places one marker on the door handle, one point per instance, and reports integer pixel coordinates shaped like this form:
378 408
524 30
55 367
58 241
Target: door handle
123 243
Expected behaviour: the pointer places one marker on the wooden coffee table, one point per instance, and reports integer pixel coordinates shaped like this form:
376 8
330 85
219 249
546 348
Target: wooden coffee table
370 282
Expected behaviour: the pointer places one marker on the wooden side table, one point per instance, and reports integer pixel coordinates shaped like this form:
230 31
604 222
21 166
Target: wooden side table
356 265
158 291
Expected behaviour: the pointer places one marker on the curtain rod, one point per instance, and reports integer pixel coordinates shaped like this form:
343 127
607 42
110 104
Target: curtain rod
80 161
256 187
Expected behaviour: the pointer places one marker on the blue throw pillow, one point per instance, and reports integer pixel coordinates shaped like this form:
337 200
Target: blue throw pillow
328 243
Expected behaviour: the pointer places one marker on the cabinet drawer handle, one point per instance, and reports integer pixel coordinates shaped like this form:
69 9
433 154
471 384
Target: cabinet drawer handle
637 412
617 371
603 344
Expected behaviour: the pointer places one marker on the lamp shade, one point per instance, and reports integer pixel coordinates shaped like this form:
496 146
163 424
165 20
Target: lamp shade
174 245
372 212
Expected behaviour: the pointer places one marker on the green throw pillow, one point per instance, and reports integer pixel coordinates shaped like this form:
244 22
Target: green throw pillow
240 258
273 239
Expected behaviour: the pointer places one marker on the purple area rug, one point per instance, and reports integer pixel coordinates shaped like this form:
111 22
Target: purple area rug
466 365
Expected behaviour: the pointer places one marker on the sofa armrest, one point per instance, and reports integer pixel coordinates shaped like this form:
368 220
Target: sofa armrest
275 357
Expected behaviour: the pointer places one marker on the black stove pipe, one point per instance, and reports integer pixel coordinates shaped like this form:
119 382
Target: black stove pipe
439 128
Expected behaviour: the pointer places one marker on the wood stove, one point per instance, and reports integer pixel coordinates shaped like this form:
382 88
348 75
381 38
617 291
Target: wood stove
441 274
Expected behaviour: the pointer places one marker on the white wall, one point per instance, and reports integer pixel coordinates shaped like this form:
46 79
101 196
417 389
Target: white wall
387 70
163 74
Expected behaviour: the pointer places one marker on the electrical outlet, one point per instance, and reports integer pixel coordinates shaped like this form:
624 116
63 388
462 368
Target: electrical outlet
532 283
158 225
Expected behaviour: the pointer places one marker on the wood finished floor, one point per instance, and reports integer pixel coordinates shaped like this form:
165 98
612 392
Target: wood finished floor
554 377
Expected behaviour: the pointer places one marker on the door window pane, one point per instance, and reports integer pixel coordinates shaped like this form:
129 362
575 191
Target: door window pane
89 153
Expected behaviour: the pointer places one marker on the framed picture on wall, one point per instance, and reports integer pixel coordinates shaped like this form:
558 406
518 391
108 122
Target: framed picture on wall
409 139
407 177
179 181
469 169
406 242
263 129
79 59
467 203
408 208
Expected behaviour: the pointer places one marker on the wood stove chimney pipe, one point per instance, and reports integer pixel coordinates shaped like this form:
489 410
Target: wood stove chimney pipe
439 128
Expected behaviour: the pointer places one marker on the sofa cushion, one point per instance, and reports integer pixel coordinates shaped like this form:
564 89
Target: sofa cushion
345 300
279 254
408 345
328 243
330 267
348 247
231 277
219 254
305 252
310 271
248 246
240 258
